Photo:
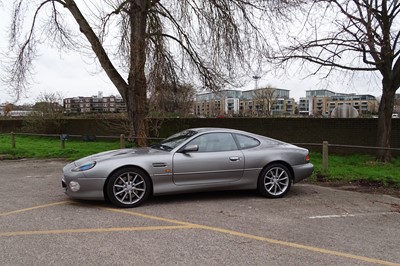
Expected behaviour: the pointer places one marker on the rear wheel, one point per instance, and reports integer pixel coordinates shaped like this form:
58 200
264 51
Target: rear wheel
274 181
128 187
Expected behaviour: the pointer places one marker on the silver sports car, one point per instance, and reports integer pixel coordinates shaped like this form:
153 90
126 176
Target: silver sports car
199 159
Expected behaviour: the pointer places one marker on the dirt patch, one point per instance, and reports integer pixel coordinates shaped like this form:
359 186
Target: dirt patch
395 207
364 186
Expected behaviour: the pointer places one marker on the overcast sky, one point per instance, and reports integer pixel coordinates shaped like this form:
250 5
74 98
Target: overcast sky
73 75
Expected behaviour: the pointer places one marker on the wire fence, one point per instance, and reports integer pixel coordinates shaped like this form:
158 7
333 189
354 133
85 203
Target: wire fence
347 146
64 137
325 150
122 143
123 138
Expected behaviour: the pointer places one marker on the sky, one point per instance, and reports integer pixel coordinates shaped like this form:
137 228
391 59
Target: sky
73 75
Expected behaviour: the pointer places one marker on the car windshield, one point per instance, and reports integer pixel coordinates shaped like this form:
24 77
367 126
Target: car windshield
173 141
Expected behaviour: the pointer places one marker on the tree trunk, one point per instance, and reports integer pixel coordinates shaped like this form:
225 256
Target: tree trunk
385 121
136 96
97 47
134 92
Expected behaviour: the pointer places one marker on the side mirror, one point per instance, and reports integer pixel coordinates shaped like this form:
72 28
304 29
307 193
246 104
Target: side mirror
190 148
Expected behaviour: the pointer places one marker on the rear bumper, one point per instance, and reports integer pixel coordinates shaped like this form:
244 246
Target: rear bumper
302 171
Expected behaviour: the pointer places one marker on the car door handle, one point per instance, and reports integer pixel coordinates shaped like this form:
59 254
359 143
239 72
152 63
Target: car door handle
234 158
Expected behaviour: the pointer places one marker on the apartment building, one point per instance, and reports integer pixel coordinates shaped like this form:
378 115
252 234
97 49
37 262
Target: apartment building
323 102
258 102
94 104
396 104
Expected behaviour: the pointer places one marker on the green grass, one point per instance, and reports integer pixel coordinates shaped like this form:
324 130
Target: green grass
357 168
341 168
47 147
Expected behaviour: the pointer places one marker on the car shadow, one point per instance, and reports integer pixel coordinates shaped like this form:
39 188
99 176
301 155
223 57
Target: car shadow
178 199
202 196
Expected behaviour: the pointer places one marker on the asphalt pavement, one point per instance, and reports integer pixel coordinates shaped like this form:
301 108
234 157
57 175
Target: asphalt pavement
312 225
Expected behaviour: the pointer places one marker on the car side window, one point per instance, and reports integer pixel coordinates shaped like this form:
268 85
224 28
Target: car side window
214 142
246 142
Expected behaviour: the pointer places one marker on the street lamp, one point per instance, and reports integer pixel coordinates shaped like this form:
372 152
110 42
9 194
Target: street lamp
256 78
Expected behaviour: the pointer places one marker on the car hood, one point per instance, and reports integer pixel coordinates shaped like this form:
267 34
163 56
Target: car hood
119 154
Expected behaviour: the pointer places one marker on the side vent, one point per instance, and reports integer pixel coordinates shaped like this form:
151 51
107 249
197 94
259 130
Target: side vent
159 164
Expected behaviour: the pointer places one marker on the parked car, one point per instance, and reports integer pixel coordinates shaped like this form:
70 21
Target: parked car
194 160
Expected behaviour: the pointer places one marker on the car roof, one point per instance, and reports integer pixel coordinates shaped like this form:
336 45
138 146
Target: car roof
229 130
212 129
218 129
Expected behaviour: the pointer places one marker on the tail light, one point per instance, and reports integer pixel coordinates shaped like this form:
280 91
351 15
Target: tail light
307 157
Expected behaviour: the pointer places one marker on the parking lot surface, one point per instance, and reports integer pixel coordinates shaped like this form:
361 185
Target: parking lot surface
312 225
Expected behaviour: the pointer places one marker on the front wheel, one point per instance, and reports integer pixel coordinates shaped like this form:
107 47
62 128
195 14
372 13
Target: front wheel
128 187
274 181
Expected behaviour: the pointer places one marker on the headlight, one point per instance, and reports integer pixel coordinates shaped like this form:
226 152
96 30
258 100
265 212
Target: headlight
84 167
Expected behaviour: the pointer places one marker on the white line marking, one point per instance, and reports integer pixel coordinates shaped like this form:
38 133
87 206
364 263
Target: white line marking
349 215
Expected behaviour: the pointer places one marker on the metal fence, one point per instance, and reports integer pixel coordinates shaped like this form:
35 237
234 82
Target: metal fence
325 150
122 140
63 137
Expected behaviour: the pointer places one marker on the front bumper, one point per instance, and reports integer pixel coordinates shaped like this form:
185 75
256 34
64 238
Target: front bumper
89 188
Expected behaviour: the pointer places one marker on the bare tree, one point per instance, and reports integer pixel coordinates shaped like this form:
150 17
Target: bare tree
172 99
49 103
47 114
264 98
7 109
144 43
354 35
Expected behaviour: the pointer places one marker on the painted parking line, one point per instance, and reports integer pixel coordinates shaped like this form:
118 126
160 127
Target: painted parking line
304 247
259 238
180 225
34 208
94 230
345 215
162 219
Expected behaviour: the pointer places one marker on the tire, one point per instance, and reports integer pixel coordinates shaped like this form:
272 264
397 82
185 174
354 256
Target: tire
128 187
275 181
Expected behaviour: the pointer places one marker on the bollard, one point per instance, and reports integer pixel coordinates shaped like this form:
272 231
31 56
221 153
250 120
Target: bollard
325 156
13 143
122 141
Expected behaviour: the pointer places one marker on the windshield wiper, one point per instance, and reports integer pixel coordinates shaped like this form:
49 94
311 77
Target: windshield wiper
161 147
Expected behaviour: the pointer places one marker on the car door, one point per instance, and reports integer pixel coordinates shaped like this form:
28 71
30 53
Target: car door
217 160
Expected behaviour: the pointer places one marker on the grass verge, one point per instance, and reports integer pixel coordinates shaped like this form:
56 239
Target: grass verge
358 168
47 147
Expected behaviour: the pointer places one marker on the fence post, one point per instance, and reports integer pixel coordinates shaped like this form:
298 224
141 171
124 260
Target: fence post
325 156
62 141
13 143
122 141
